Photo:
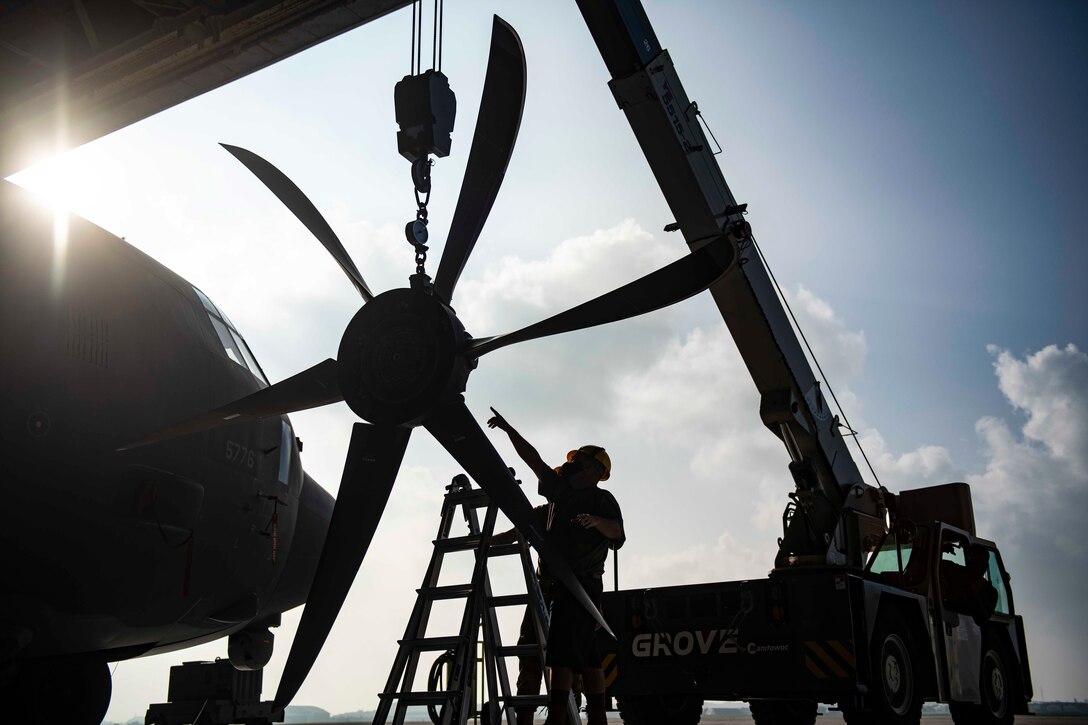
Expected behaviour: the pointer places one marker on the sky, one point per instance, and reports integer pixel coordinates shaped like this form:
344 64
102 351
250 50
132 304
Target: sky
914 175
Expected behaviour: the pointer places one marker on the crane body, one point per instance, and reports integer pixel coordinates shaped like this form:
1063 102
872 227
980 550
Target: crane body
877 601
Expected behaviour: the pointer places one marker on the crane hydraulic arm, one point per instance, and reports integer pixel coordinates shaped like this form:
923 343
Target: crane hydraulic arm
834 516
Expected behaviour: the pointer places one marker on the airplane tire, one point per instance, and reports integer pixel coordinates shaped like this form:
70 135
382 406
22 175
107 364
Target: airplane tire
997 685
658 709
783 712
72 690
896 675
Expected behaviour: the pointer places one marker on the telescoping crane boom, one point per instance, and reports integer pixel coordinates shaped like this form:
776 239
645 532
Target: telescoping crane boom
833 511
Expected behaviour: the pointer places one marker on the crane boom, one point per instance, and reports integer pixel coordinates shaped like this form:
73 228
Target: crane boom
833 511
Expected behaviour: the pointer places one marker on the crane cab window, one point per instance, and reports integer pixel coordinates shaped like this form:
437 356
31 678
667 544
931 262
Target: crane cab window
996 577
886 558
234 346
966 584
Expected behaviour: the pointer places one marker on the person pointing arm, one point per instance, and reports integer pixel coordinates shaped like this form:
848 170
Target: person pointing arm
521 446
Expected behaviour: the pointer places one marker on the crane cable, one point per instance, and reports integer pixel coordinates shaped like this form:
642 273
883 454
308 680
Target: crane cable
437 32
852 433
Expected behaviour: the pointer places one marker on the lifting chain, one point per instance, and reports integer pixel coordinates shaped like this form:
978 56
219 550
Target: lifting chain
416 231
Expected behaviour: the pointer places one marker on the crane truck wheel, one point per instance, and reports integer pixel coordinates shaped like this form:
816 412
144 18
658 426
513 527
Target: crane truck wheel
996 686
658 709
896 674
783 712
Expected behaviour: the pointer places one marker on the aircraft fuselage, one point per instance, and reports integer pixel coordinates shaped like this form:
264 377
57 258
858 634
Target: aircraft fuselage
146 550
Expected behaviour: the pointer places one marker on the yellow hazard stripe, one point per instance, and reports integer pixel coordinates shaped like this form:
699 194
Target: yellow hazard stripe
826 659
846 655
813 668
610 677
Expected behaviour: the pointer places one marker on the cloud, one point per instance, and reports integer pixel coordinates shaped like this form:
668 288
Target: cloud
724 559
1051 387
1031 498
558 381
699 397
840 350
1037 482
926 465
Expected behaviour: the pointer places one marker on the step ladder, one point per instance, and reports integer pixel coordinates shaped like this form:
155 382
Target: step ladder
455 704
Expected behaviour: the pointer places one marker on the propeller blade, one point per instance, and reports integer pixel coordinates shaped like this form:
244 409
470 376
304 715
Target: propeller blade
293 198
670 284
311 388
460 434
492 143
373 460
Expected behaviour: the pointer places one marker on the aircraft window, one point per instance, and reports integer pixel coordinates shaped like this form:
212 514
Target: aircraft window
228 342
251 361
233 344
208 304
229 345
286 441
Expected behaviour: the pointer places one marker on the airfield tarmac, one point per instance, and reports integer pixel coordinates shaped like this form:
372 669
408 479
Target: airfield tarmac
833 717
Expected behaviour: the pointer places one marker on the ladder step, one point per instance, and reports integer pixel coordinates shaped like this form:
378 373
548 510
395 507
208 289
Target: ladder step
504 549
525 700
458 543
451 591
432 644
509 600
423 697
518 650
475 497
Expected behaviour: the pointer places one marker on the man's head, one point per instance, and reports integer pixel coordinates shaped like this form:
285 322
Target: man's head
589 464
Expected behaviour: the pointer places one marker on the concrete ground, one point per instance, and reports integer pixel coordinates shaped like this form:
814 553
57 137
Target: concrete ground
832 718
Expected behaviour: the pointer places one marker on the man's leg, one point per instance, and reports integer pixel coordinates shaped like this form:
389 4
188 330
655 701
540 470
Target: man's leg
593 678
559 695
530 670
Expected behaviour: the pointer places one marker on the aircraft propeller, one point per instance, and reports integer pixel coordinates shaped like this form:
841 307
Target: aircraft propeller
405 358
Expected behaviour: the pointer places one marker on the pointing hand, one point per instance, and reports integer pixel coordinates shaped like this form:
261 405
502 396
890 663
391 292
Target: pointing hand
497 421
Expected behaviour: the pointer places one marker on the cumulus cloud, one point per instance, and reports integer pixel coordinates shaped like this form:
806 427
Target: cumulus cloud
926 465
559 380
1037 481
723 559
514 291
840 350
699 396
1051 387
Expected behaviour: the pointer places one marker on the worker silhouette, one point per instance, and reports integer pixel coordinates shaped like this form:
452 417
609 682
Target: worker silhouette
530 667
583 522
966 588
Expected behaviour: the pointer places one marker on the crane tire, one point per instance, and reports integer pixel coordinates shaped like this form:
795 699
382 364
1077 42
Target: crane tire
997 686
896 676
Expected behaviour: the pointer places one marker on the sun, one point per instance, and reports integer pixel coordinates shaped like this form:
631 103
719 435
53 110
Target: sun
67 184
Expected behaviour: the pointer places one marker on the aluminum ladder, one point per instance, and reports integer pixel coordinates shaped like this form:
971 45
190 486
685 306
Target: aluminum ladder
455 704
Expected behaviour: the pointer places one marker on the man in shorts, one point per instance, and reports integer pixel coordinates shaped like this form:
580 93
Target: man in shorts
584 522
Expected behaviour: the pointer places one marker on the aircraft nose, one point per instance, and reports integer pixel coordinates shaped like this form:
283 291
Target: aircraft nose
315 506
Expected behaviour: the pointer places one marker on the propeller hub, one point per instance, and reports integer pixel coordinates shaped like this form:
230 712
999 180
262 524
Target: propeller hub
399 357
